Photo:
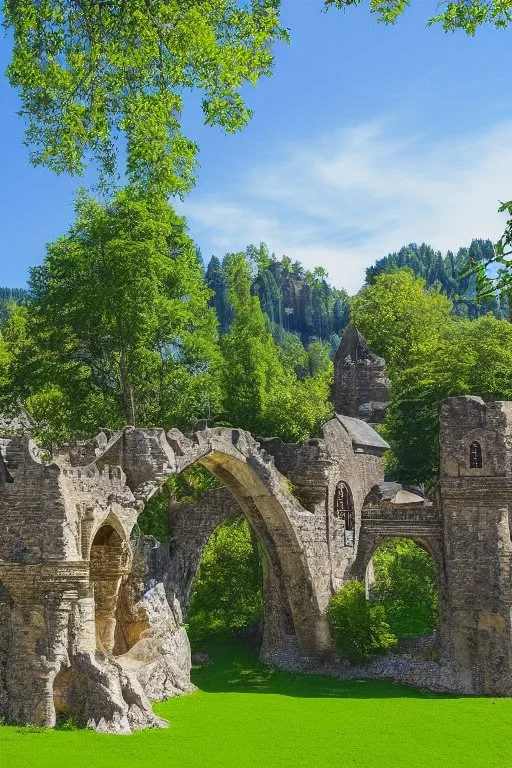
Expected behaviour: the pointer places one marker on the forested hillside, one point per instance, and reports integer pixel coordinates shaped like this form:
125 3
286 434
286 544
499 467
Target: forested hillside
454 274
294 299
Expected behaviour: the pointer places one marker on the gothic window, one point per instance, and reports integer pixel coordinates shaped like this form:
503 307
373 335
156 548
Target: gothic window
475 456
344 510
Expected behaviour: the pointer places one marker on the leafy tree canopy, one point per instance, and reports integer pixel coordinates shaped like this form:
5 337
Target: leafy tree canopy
406 586
227 594
117 328
466 15
400 318
431 355
9 297
89 71
359 628
457 275
295 300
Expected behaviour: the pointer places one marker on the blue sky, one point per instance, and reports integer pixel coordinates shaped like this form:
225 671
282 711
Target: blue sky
366 138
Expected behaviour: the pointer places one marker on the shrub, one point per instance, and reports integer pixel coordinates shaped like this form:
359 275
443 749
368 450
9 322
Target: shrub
359 628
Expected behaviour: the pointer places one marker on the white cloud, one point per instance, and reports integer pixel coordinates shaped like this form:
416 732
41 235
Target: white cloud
346 199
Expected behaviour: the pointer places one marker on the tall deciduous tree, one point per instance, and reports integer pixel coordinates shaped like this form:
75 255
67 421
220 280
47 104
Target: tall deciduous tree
118 328
88 71
4 362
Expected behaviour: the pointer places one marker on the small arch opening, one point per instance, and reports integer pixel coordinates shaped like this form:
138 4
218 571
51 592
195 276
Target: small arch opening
109 562
475 455
226 597
401 577
344 510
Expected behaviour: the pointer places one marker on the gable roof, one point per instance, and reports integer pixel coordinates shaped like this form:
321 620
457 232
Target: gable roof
364 437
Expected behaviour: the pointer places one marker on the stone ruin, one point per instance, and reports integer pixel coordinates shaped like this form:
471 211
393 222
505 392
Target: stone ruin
91 617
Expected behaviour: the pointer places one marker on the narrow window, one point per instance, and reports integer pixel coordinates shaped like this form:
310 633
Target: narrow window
475 456
344 510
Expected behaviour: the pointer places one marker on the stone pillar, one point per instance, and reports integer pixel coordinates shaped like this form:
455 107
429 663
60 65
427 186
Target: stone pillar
28 671
476 506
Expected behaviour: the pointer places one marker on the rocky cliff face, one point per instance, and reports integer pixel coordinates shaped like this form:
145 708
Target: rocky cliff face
151 641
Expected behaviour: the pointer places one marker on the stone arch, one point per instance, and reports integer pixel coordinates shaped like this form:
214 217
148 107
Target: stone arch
112 521
109 563
368 545
275 515
292 609
193 524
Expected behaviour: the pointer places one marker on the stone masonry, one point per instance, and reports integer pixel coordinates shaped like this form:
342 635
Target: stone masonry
91 619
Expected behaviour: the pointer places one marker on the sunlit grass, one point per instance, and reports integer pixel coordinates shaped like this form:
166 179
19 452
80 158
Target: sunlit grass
247 715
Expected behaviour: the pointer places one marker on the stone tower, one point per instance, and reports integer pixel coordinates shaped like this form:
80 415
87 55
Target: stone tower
361 389
475 492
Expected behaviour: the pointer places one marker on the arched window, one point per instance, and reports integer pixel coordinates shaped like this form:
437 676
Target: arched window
475 455
344 510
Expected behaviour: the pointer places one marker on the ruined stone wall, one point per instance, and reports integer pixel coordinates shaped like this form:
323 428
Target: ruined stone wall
77 619
476 507
92 627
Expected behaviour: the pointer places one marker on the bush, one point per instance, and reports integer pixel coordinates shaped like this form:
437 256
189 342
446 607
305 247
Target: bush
359 628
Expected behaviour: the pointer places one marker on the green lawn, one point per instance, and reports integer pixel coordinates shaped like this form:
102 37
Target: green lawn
246 715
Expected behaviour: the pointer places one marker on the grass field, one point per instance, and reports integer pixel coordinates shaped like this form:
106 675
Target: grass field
246 715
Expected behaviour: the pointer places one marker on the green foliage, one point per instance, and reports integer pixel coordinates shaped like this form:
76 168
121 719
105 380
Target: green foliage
503 258
261 394
217 283
294 300
431 355
297 300
227 594
88 72
400 318
470 357
192 483
4 362
189 485
117 328
406 587
51 410
458 276
66 723
359 628
466 15
9 297
154 520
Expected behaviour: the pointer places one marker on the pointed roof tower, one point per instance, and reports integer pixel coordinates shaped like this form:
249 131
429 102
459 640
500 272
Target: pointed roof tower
361 388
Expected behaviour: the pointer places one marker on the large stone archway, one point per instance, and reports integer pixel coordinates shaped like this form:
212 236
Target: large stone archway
293 541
